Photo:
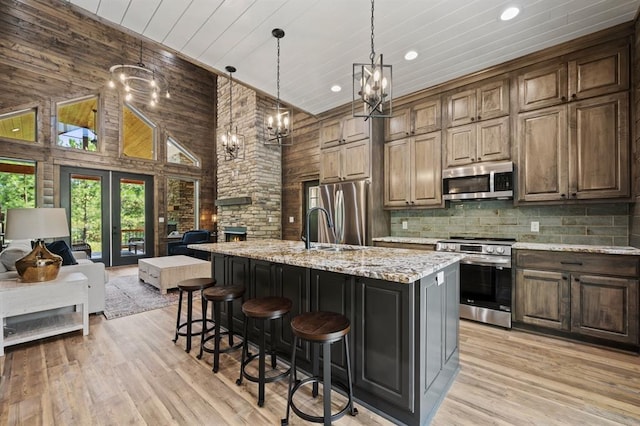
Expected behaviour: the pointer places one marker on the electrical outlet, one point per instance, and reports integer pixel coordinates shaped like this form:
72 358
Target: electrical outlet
535 226
405 224
291 219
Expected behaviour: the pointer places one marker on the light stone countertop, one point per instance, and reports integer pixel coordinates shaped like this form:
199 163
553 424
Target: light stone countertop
389 264
409 240
578 248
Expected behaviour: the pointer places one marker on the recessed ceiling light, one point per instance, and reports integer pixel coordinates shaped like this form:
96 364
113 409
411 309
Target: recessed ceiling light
509 13
335 88
411 55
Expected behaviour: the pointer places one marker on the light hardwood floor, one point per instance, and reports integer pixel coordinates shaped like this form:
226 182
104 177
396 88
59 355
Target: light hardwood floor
128 371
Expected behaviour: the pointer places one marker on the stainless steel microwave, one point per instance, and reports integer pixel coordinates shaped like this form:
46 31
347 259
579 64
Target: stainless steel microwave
476 181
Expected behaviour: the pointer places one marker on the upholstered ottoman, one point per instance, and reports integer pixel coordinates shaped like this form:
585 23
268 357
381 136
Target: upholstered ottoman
165 272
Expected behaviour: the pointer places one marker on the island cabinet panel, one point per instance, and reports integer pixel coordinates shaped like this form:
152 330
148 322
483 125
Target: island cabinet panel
293 282
231 270
333 292
438 307
261 283
385 318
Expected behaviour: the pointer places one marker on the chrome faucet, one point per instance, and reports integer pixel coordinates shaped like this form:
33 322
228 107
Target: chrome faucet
307 240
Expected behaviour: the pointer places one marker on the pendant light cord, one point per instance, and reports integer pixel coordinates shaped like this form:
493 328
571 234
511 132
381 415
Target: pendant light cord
230 102
278 78
372 56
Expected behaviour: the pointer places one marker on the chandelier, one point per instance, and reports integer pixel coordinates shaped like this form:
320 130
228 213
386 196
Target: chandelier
372 85
232 142
278 124
139 82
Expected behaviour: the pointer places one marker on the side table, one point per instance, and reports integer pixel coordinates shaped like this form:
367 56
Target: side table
18 298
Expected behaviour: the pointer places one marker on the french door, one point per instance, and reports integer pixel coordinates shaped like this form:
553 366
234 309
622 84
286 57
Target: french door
111 214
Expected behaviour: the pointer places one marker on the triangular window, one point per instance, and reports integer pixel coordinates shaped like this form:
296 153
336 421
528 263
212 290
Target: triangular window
177 154
138 134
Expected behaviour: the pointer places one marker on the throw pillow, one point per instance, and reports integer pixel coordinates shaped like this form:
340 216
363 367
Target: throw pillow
12 253
62 249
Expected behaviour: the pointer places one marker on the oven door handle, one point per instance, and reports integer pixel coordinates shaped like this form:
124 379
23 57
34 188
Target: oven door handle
505 265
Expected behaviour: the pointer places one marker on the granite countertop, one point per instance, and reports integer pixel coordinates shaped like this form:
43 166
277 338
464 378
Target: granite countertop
578 248
389 264
409 240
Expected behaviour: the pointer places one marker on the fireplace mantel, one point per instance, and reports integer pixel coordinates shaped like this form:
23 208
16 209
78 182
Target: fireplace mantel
234 201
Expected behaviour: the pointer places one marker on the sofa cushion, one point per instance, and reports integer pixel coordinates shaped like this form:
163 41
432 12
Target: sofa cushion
2 268
62 249
12 253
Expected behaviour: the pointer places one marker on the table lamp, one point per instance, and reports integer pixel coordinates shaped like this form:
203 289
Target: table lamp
37 224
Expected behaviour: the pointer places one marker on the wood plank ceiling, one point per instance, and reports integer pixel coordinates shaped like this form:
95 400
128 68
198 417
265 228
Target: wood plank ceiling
325 37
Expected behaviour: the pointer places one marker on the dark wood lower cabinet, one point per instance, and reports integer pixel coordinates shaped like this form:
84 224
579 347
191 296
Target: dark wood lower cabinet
592 297
403 339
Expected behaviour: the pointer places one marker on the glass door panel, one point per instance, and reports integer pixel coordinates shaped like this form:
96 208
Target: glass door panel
132 215
85 195
111 214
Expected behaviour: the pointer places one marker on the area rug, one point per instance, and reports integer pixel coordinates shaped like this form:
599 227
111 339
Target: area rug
127 295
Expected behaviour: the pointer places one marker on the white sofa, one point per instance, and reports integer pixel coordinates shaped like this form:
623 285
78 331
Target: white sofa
94 271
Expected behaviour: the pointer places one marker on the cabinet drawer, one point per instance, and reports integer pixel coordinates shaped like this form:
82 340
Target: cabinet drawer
624 266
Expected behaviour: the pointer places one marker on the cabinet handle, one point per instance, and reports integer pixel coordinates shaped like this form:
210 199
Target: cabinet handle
473 118
407 202
479 158
473 159
413 132
413 202
563 99
573 96
574 195
577 279
407 133
564 277
479 118
562 262
563 195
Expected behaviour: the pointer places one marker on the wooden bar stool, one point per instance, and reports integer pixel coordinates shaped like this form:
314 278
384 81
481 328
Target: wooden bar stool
218 295
323 328
261 310
189 286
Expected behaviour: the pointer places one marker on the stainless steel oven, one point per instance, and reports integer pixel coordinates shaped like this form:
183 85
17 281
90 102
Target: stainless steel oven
485 278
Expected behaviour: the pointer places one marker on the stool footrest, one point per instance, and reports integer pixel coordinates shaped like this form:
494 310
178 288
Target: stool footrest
197 331
225 350
255 379
319 419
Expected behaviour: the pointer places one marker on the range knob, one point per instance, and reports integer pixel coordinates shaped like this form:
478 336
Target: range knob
489 249
500 250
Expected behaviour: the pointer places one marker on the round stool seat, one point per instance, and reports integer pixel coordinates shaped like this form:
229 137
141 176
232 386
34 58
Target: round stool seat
223 293
190 286
267 307
320 326
193 284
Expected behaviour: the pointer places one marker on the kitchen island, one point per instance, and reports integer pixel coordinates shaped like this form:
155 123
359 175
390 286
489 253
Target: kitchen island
402 304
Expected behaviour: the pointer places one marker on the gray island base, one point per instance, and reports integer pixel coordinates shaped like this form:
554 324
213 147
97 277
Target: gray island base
402 304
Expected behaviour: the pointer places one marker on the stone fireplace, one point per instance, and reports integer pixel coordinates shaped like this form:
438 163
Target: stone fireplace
249 189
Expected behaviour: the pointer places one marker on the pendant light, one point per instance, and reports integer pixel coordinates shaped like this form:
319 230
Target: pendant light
372 84
279 123
232 141
139 82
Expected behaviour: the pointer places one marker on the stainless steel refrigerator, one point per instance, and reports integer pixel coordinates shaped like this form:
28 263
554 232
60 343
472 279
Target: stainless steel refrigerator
347 205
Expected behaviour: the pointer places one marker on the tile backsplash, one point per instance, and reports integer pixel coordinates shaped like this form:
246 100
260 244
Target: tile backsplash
597 224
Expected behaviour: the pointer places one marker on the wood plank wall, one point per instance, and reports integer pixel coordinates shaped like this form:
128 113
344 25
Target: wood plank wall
50 51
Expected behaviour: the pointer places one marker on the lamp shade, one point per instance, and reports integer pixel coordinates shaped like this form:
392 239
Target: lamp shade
36 223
